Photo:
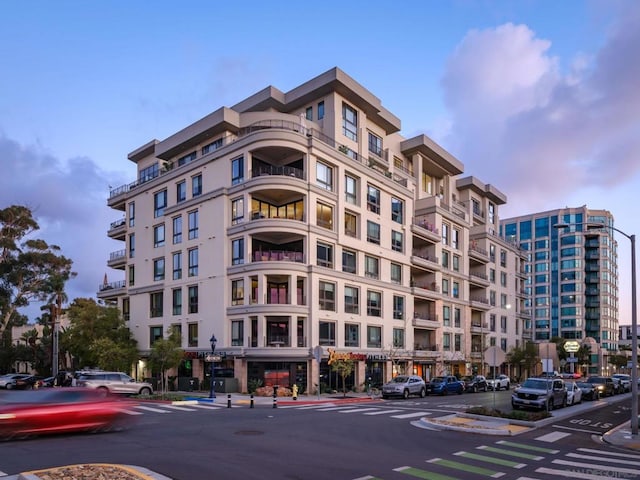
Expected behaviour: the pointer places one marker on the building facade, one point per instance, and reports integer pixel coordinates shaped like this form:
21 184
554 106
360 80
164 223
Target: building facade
572 277
303 223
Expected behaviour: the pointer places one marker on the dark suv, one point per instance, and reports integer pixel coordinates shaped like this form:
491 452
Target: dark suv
475 384
604 385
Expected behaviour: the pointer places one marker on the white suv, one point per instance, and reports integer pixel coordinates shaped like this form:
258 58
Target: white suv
499 382
625 381
113 382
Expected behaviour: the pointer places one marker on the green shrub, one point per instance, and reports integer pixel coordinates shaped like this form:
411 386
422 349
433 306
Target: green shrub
514 415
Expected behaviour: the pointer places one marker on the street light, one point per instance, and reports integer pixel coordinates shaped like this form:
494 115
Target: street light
634 320
213 340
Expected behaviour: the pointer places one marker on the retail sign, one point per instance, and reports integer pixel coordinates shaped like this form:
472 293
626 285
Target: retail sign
571 346
212 358
356 357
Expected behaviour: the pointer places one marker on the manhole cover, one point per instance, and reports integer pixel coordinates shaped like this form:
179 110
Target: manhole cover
249 432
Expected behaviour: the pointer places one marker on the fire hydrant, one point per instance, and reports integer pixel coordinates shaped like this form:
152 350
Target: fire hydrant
294 389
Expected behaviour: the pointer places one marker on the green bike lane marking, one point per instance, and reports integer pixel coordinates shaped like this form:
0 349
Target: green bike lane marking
510 453
527 447
426 475
497 461
466 468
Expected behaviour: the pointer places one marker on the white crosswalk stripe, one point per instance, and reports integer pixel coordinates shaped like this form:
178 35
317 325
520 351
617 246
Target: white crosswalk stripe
411 415
151 409
180 408
553 437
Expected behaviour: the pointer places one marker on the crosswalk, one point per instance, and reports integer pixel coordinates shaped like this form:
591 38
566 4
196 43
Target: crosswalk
401 414
508 459
163 408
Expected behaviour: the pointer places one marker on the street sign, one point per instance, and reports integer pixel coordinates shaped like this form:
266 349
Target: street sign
317 353
212 358
572 360
571 346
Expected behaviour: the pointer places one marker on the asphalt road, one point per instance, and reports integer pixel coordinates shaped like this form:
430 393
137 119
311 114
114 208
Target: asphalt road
381 440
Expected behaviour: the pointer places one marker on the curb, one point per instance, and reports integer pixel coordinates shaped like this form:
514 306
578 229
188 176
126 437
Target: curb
140 473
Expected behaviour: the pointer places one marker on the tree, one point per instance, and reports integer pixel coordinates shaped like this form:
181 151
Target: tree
618 361
166 353
525 357
344 367
94 331
29 271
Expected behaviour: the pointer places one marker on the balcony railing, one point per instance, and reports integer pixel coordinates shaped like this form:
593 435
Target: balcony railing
277 256
118 223
117 255
266 170
422 223
111 285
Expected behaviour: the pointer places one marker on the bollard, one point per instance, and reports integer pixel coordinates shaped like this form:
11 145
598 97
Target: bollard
251 402
275 396
275 402
229 400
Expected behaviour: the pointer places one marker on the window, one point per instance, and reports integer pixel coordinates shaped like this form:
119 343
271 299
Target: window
351 224
158 269
126 309
149 173
492 213
374 337
446 342
373 232
398 337
159 203
398 307
212 146
193 262
397 210
177 230
132 275
348 261
503 279
155 304
237 211
373 199
455 265
176 295
350 189
192 329
193 299
193 225
503 300
237 251
396 241
132 245
457 342
309 113
503 324
351 335
324 216
445 286
324 176
132 214
324 252
237 333
327 332
492 298
374 303
237 170
181 191
492 275
371 267
158 235
320 110
155 333
375 144
196 185
455 290
187 158
492 322
455 238
351 299
445 234
446 316
349 122
475 206
445 259
327 296
492 253
396 273
503 258
237 292
177 265
457 317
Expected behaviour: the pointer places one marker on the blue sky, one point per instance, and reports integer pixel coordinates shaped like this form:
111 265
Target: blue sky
538 98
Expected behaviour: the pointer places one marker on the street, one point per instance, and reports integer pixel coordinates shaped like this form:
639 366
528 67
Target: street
381 440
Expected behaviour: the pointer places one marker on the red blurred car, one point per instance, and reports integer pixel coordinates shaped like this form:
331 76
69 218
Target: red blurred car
60 410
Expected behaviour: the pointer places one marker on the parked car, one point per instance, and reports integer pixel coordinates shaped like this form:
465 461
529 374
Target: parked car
113 382
404 385
571 376
540 393
617 386
589 390
475 384
57 410
8 380
604 385
445 385
28 383
499 382
625 381
574 393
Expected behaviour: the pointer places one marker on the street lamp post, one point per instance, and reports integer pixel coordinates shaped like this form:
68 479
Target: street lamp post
634 320
213 340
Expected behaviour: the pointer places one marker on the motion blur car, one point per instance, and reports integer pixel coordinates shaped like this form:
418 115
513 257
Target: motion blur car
499 382
574 393
604 385
29 382
589 390
60 410
540 393
404 385
475 384
9 380
114 382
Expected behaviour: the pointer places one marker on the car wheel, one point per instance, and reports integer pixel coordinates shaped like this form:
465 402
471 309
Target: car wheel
550 405
423 392
9 386
508 386
485 389
405 394
445 391
145 391
474 389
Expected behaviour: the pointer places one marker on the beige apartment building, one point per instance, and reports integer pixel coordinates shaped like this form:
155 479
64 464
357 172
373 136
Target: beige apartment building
303 222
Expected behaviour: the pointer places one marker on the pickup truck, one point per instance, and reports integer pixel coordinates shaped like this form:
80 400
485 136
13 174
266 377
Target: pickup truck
445 385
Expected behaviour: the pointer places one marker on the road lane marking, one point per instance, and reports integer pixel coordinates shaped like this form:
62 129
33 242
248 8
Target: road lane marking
497 461
605 468
569 473
591 457
466 468
151 409
603 452
527 447
578 429
130 412
511 453
182 409
552 437
411 415
383 412
358 410
416 472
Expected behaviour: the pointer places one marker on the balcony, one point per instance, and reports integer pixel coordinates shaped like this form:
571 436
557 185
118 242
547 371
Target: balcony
478 327
118 229
277 256
477 253
480 303
431 291
425 320
426 230
425 260
426 351
111 290
117 259
479 279
284 171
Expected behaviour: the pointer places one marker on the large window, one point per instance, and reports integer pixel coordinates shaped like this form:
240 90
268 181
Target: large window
375 144
177 265
237 210
155 304
324 252
132 214
193 225
320 110
327 296
159 203
327 331
158 235
237 292
196 185
181 191
324 215
193 262
351 299
373 232
237 170
351 189
351 224
396 273
371 267
158 269
398 338
349 122
177 229
398 307
237 251
446 316
374 337
176 295
132 245
351 335
155 333
324 176
237 333
192 329
397 242
397 210
374 303
373 199
193 299
349 261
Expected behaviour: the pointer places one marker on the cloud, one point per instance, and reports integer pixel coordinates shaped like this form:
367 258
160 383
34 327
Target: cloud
519 122
68 200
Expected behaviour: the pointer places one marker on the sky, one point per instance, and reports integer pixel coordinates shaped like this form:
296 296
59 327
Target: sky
539 98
